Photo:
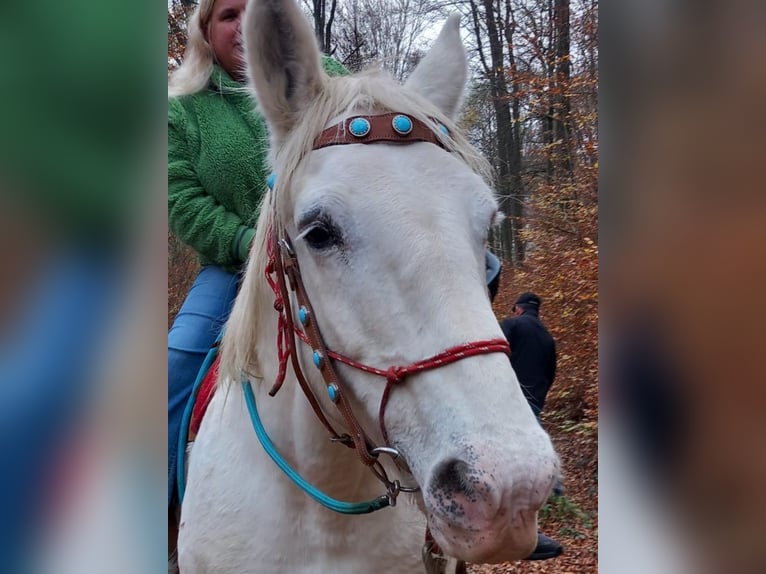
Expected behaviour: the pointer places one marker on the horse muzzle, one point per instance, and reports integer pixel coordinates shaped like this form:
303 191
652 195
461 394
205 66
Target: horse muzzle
482 512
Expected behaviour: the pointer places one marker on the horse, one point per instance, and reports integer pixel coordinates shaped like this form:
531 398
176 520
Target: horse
362 349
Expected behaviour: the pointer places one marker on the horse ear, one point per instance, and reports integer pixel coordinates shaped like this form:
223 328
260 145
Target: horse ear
441 74
283 62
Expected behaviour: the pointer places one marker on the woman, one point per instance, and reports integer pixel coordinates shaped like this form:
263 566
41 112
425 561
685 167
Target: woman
217 149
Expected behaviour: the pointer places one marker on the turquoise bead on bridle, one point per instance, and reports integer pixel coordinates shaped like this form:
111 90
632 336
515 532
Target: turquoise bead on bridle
401 124
359 127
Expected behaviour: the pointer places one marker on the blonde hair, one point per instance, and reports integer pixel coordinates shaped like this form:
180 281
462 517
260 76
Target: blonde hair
193 74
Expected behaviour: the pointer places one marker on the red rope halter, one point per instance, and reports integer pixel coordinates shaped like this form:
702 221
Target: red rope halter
393 375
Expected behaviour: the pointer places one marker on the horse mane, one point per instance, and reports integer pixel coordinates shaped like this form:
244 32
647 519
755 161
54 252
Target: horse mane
371 91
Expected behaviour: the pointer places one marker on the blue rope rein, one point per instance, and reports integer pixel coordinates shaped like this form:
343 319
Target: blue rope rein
339 506
187 416
326 501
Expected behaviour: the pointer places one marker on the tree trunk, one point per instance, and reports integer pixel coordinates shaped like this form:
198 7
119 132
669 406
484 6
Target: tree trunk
516 183
561 128
319 23
506 180
328 28
549 63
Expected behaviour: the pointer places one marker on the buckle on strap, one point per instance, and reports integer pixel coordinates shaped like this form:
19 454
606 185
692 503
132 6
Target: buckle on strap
393 487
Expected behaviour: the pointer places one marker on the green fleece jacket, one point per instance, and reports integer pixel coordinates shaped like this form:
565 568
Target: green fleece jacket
217 168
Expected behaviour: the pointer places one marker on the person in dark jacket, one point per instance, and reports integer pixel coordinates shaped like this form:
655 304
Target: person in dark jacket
533 350
533 358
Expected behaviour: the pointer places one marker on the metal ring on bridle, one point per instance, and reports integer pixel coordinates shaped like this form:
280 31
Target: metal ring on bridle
285 244
393 487
393 490
391 451
409 489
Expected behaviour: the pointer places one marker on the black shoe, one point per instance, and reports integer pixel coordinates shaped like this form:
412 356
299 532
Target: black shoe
546 548
558 487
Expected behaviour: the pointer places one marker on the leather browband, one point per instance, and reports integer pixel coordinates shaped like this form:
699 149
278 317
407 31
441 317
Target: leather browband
381 130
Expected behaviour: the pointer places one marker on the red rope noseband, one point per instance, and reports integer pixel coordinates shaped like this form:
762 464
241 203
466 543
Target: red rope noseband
394 374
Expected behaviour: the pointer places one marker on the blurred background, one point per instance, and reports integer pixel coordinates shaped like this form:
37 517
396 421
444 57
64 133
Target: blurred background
82 281
681 257
683 263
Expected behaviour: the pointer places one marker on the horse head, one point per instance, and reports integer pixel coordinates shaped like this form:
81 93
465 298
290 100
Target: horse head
390 237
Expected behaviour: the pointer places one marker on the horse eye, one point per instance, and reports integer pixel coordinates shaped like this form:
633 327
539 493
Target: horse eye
321 236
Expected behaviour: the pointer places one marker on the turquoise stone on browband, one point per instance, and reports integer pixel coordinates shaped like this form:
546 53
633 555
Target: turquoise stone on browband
359 127
393 127
402 124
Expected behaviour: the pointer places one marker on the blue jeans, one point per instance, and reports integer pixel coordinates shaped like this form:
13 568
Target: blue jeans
194 331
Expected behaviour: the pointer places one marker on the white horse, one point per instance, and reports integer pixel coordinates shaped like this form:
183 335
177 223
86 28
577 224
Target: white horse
389 231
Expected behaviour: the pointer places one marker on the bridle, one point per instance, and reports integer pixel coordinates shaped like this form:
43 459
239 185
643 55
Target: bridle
284 276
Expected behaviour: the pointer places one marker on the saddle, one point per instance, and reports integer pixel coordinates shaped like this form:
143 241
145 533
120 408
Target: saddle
201 399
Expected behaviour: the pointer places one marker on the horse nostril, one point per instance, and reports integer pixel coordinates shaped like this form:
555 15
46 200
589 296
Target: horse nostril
453 476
